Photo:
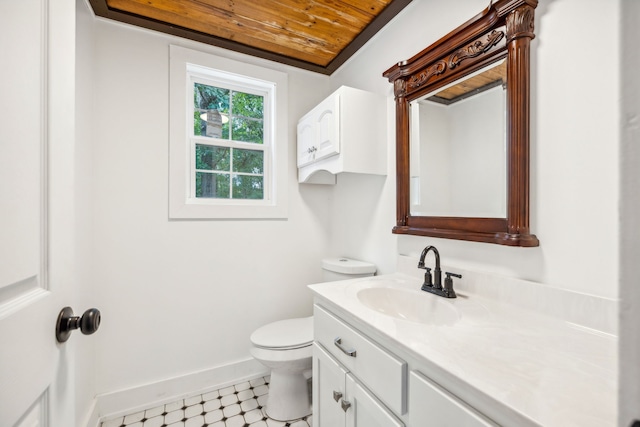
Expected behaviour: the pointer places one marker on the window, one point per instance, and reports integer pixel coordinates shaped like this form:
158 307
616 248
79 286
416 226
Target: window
228 138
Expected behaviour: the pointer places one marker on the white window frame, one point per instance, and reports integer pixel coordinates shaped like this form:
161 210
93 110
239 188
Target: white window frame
187 66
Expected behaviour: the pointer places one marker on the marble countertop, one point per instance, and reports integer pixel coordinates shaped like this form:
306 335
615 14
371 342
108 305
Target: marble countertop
551 372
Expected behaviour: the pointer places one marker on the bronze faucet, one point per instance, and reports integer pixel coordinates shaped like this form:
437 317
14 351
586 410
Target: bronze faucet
435 287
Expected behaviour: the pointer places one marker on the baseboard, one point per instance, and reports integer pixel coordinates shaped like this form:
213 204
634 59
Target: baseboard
93 417
131 400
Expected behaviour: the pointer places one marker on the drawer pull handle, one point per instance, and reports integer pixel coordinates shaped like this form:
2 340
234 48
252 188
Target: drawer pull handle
338 343
337 395
345 405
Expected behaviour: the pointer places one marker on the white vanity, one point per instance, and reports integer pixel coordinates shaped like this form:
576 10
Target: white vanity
388 354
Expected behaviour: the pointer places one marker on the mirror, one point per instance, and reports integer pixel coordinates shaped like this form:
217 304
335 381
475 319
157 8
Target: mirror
463 166
458 148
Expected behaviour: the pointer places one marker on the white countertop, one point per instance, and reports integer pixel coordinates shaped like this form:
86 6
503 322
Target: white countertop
550 371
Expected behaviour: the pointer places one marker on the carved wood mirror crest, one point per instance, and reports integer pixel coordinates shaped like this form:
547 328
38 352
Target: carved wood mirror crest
502 32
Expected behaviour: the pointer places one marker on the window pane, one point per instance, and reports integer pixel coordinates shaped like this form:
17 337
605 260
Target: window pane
247 130
248 105
248 187
211 105
248 161
212 185
212 158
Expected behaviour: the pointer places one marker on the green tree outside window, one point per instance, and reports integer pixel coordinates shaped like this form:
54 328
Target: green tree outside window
228 172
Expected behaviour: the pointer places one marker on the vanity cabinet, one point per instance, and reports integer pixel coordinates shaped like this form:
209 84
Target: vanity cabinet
358 382
341 401
429 401
346 132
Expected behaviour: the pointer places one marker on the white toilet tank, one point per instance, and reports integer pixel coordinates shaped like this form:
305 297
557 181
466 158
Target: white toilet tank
341 268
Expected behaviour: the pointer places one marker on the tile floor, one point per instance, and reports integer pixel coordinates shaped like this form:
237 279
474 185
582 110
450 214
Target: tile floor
241 405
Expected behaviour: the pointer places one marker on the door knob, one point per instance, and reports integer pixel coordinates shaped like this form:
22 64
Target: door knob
67 323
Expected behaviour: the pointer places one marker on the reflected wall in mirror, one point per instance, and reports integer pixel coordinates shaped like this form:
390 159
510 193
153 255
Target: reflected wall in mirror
458 148
462 165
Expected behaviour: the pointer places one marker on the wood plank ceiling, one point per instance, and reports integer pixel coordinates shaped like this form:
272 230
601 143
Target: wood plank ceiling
317 35
489 78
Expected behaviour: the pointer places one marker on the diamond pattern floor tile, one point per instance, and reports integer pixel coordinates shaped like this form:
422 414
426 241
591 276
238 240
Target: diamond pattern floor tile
241 405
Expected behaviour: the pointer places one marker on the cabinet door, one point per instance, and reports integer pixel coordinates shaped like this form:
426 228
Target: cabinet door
328 390
327 124
306 150
364 409
431 405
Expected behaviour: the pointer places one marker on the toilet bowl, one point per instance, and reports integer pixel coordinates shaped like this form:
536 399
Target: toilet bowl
286 348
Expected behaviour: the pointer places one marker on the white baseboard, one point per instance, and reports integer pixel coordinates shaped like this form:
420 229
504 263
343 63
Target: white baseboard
131 400
93 417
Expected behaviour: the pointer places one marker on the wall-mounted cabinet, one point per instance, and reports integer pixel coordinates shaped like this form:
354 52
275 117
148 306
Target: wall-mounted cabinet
346 132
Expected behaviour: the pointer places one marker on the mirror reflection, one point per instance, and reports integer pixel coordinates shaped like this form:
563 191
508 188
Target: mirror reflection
458 148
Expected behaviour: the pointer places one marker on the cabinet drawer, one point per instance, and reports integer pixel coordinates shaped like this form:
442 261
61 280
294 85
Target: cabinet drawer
382 372
431 405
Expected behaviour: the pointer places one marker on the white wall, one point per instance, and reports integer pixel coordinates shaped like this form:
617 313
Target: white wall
182 296
574 147
435 182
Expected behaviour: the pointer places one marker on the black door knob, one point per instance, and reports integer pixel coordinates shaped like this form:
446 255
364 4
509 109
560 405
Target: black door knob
67 323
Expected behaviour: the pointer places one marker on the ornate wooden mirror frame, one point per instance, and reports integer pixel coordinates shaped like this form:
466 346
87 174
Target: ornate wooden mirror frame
503 30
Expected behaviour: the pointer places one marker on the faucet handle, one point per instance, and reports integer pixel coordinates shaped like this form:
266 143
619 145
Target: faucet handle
448 284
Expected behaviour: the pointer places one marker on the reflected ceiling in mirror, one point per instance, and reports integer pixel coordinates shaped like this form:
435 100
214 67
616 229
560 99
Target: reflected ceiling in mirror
458 147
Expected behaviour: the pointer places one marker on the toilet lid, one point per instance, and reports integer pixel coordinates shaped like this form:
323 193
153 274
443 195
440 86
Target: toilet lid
285 334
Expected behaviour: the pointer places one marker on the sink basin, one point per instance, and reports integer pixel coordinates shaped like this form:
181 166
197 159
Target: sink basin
414 306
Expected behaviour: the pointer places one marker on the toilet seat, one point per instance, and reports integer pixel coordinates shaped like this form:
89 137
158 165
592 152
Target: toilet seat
284 334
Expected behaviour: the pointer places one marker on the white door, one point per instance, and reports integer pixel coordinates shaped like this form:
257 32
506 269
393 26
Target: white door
305 141
431 405
36 204
328 389
365 410
327 124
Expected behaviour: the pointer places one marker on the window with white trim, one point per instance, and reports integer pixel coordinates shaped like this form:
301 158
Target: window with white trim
228 138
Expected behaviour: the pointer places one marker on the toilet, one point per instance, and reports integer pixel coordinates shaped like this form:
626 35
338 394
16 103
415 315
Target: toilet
286 348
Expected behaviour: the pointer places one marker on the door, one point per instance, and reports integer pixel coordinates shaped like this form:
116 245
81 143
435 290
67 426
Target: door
36 203
365 410
319 132
305 142
431 405
327 123
328 389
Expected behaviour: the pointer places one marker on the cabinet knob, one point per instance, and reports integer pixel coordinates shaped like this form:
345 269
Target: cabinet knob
337 395
345 405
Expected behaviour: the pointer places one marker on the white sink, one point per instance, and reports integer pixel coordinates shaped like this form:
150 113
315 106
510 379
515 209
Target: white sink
415 306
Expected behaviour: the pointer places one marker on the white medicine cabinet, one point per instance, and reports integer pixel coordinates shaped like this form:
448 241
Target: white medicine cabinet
346 132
